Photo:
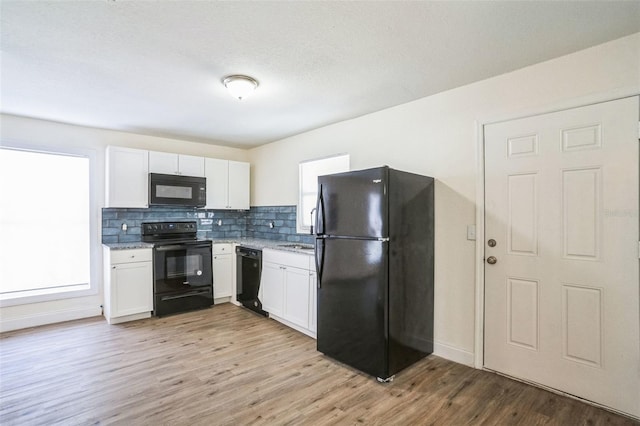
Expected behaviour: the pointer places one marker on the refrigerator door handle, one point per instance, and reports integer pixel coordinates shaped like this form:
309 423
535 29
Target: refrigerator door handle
319 259
320 212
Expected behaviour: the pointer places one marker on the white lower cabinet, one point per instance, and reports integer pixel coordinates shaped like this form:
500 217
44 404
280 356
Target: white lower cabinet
296 296
128 285
313 304
272 285
287 290
223 271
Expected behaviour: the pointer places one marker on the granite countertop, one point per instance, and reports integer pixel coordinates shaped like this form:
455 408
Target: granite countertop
128 246
260 244
255 243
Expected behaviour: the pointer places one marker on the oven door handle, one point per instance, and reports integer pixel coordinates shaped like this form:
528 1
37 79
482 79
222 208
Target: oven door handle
181 247
183 295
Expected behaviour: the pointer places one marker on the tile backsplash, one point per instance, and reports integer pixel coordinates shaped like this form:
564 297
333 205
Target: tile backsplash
254 223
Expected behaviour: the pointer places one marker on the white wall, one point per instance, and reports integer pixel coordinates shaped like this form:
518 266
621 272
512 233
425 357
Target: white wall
27 132
437 136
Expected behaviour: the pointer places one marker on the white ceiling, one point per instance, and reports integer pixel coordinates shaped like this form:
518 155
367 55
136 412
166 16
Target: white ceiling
155 67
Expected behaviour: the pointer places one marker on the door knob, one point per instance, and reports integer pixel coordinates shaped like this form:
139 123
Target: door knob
491 243
492 260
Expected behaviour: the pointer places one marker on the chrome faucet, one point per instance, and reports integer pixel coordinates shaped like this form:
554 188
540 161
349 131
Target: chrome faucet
311 226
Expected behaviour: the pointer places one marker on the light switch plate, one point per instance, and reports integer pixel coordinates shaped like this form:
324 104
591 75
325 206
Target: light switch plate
471 232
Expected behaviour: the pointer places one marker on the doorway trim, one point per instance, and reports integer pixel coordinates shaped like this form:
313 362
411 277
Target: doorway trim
478 346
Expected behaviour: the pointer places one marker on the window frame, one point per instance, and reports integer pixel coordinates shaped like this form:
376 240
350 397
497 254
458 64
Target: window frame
95 244
300 214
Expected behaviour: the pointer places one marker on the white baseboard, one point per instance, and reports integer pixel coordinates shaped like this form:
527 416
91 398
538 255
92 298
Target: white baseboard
294 326
453 354
48 318
127 318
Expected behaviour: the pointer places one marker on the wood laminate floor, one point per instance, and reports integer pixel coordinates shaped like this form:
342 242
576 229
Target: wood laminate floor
227 366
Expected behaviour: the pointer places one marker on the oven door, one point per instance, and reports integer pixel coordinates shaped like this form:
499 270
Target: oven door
182 267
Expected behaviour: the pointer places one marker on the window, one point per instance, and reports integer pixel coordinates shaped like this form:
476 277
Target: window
308 181
45 224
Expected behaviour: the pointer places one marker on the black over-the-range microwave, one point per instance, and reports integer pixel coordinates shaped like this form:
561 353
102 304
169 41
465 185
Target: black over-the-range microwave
177 190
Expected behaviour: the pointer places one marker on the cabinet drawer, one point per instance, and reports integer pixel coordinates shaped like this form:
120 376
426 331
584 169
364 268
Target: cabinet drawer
222 248
130 256
286 258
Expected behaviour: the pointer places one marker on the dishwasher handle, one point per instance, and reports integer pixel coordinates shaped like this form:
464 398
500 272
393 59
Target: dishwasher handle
249 253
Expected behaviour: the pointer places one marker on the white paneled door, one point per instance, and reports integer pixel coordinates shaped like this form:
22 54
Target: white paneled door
561 250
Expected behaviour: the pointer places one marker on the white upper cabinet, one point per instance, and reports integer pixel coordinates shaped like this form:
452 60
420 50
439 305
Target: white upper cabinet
190 165
217 174
239 185
127 180
163 162
176 164
227 184
127 177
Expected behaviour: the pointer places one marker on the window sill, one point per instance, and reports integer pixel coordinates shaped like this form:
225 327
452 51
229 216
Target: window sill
45 295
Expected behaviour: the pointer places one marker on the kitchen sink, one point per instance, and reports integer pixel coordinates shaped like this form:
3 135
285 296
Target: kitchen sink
297 246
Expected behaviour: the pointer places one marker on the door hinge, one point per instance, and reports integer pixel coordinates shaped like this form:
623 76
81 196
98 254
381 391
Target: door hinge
638 249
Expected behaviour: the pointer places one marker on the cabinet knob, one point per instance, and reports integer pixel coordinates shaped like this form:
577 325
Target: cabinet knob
113 267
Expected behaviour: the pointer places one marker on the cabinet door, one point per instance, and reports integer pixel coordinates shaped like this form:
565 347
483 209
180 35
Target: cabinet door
216 172
222 275
190 165
313 316
296 296
131 288
163 162
239 183
272 286
127 177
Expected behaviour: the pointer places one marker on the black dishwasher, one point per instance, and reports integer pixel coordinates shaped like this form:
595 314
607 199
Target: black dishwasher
249 269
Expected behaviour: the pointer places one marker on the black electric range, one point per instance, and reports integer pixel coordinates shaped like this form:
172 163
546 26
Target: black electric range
182 269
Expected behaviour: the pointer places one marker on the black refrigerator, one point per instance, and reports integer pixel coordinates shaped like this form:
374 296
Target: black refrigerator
374 259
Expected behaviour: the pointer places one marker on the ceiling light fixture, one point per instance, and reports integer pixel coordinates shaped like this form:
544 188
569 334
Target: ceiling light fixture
240 86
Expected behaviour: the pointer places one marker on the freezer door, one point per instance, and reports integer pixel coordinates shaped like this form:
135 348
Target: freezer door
352 303
353 204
